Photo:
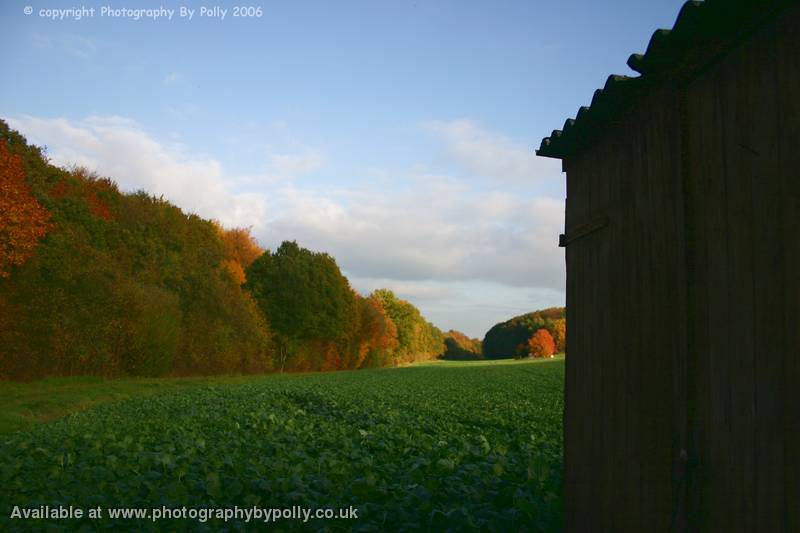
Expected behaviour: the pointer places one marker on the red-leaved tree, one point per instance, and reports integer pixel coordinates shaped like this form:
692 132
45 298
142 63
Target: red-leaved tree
541 344
23 221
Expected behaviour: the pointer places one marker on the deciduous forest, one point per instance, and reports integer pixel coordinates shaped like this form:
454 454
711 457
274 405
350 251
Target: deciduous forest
101 282
96 281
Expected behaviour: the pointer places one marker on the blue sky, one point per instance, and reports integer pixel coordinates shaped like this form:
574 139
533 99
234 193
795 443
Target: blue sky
396 135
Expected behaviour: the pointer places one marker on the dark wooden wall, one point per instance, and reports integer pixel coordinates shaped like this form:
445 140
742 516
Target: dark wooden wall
683 374
743 137
625 310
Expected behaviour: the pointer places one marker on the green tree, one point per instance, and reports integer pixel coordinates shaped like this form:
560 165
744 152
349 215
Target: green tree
303 295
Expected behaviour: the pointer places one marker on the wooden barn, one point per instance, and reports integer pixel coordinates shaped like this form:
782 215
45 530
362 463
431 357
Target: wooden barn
682 241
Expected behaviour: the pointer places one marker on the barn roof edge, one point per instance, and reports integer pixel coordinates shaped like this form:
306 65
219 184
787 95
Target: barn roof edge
703 31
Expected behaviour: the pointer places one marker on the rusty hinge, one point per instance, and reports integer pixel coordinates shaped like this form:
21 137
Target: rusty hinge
582 230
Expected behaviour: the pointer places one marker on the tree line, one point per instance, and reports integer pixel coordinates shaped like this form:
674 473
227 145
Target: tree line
97 281
536 334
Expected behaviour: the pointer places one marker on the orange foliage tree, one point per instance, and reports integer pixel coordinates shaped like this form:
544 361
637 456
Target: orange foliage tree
23 221
541 344
559 331
240 249
377 335
92 185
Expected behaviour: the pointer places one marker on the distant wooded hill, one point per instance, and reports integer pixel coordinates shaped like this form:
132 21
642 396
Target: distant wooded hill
512 337
459 347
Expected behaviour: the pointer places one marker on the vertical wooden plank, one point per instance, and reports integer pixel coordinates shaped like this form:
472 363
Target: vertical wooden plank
624 464
788 162
665 286
589 476
711 301
568 493
692 221
601 244
758 145
577 421
697 363
733 341
681 222
613 244
593 248
628 345
573 400
648 356
739 118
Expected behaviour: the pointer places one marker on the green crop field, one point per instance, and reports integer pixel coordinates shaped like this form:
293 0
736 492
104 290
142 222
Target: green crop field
441 446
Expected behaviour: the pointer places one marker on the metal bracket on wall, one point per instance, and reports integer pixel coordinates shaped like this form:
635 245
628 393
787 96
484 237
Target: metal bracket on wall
582 230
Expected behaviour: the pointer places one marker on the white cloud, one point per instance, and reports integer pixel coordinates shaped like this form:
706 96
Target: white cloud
490 155
121 149
416 291
296 164
172 78
78 46
426 232
67 43
468 306
41 41
182 111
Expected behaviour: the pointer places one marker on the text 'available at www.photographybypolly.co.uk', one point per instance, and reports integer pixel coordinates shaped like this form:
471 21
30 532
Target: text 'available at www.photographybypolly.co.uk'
201 514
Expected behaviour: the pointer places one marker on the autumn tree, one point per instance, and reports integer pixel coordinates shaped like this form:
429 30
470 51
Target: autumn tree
373 335
541 344
376 337
559 332
124 283
23 221
240 249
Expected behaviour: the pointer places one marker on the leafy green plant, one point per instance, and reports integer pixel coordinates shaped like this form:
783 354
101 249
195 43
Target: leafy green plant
444 446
